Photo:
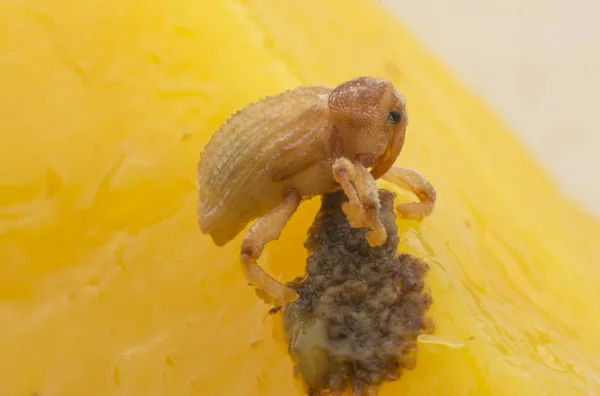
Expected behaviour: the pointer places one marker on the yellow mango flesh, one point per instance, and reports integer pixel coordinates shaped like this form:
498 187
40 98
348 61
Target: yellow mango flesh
107 286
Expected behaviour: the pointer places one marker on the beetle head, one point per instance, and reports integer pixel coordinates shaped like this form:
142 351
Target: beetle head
370 117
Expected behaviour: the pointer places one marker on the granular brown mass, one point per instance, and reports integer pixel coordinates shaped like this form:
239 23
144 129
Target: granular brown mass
360 309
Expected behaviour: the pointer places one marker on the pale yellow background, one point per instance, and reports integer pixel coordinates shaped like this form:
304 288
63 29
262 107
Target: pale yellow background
537 64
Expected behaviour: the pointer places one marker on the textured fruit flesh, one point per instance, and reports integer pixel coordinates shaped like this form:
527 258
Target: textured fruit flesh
109 288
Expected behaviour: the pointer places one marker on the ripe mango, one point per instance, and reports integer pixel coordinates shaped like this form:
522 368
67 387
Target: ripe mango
107 286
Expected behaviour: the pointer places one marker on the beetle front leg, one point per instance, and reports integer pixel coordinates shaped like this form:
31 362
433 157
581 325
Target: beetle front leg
266 229
362 208
419 185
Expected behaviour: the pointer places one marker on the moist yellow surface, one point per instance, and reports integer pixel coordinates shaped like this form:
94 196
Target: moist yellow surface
107 285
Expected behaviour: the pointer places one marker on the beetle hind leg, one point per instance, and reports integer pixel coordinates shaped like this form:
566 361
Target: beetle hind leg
266 229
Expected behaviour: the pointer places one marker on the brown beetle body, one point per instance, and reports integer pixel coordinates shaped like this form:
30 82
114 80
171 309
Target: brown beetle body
252 160
312 140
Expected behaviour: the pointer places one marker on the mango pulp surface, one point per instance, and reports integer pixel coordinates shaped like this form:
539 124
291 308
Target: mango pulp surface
107 286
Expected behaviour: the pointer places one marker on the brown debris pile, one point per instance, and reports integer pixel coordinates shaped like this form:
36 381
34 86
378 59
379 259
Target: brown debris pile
360 309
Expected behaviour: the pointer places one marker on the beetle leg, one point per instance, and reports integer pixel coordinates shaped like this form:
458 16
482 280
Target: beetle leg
369 196
419 185
345 174
266 229
362 208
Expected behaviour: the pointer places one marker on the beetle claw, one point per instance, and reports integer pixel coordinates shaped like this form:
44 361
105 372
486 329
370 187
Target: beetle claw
277 298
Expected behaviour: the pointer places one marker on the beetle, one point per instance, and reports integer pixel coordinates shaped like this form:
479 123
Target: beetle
274 153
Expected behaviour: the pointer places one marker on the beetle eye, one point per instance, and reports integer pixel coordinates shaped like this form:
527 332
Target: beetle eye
394 117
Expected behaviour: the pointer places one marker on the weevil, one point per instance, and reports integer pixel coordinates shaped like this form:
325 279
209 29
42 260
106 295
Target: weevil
274 153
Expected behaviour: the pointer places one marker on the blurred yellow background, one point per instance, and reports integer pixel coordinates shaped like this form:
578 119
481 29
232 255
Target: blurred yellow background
107 286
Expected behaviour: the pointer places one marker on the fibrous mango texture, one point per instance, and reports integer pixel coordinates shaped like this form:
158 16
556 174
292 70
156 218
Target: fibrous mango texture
108 287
